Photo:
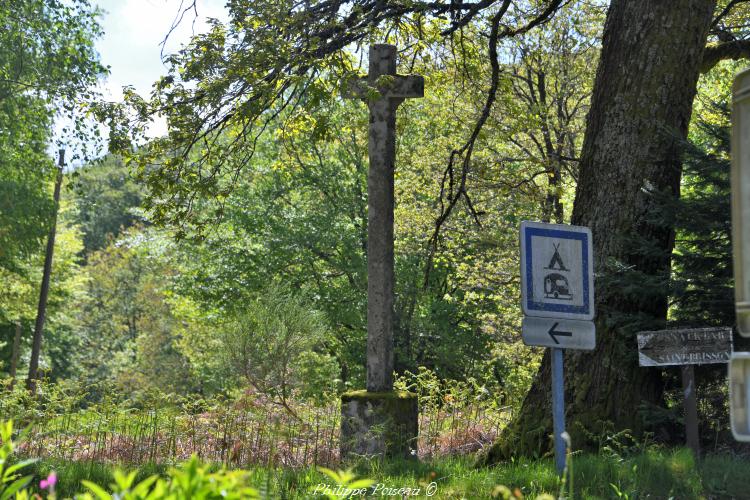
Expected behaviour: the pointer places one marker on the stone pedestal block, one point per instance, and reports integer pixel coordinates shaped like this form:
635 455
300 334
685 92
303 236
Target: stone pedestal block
379 424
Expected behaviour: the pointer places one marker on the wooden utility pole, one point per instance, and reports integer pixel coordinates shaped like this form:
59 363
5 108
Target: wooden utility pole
36 345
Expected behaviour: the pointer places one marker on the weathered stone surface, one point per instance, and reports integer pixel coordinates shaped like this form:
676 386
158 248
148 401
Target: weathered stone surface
379 424
392 89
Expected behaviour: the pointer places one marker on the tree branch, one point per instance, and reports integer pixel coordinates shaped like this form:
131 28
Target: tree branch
453 197
242 75
716 52
727 9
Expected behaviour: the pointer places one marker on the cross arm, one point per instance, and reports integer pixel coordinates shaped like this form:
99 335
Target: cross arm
391 86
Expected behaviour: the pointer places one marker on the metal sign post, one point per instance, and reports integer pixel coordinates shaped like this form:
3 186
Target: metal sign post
558 407
557 294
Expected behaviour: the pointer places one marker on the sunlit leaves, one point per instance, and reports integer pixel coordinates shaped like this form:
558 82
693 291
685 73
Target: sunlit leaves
229 84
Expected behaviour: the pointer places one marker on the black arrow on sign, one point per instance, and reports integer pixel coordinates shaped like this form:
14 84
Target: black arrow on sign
556 333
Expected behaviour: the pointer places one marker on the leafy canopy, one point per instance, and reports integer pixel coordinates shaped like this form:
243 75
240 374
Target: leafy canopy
228 85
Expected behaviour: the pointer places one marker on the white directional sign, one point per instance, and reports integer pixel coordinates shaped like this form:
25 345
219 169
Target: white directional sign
557 271
561 333
741 199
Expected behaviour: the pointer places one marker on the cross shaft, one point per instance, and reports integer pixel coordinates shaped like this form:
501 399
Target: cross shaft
392 89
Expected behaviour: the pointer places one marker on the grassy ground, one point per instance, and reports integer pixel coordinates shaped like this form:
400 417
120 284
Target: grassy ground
657 474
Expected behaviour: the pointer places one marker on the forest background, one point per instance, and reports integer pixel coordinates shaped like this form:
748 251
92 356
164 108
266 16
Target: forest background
254 282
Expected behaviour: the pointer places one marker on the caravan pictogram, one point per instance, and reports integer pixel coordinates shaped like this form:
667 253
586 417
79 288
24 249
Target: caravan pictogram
556 286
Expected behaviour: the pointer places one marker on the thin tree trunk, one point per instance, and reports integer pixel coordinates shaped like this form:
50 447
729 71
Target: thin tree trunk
553 209
15 353
642 101
36 346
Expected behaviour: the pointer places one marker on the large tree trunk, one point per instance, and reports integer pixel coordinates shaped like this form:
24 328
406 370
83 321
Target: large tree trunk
642 101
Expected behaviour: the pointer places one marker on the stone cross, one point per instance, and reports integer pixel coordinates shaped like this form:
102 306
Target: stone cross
392 89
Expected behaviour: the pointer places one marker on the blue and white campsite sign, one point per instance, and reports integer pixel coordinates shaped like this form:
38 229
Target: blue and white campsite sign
557 271
557 293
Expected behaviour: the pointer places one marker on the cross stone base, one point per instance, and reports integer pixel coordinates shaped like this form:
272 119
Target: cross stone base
379 424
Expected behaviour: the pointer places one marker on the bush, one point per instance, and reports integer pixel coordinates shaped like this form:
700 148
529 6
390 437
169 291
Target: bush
267 343
191 480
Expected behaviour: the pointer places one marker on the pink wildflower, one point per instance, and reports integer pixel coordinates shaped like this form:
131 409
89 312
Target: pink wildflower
49 482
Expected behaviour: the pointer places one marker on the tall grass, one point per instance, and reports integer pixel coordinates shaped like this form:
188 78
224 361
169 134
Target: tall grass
249 431
238 434
656 473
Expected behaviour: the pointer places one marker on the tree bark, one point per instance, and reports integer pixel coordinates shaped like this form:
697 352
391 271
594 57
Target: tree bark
642 102
15 353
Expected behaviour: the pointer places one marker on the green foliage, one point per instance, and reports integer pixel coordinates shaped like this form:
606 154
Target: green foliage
107 199
11 481
127 312
549 78
51 401
191 480
47 65
434 392
703 281
268 343
27 173
48 49
320 373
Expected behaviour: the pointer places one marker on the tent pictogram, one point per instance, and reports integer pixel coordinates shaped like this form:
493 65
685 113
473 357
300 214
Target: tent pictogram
557 260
